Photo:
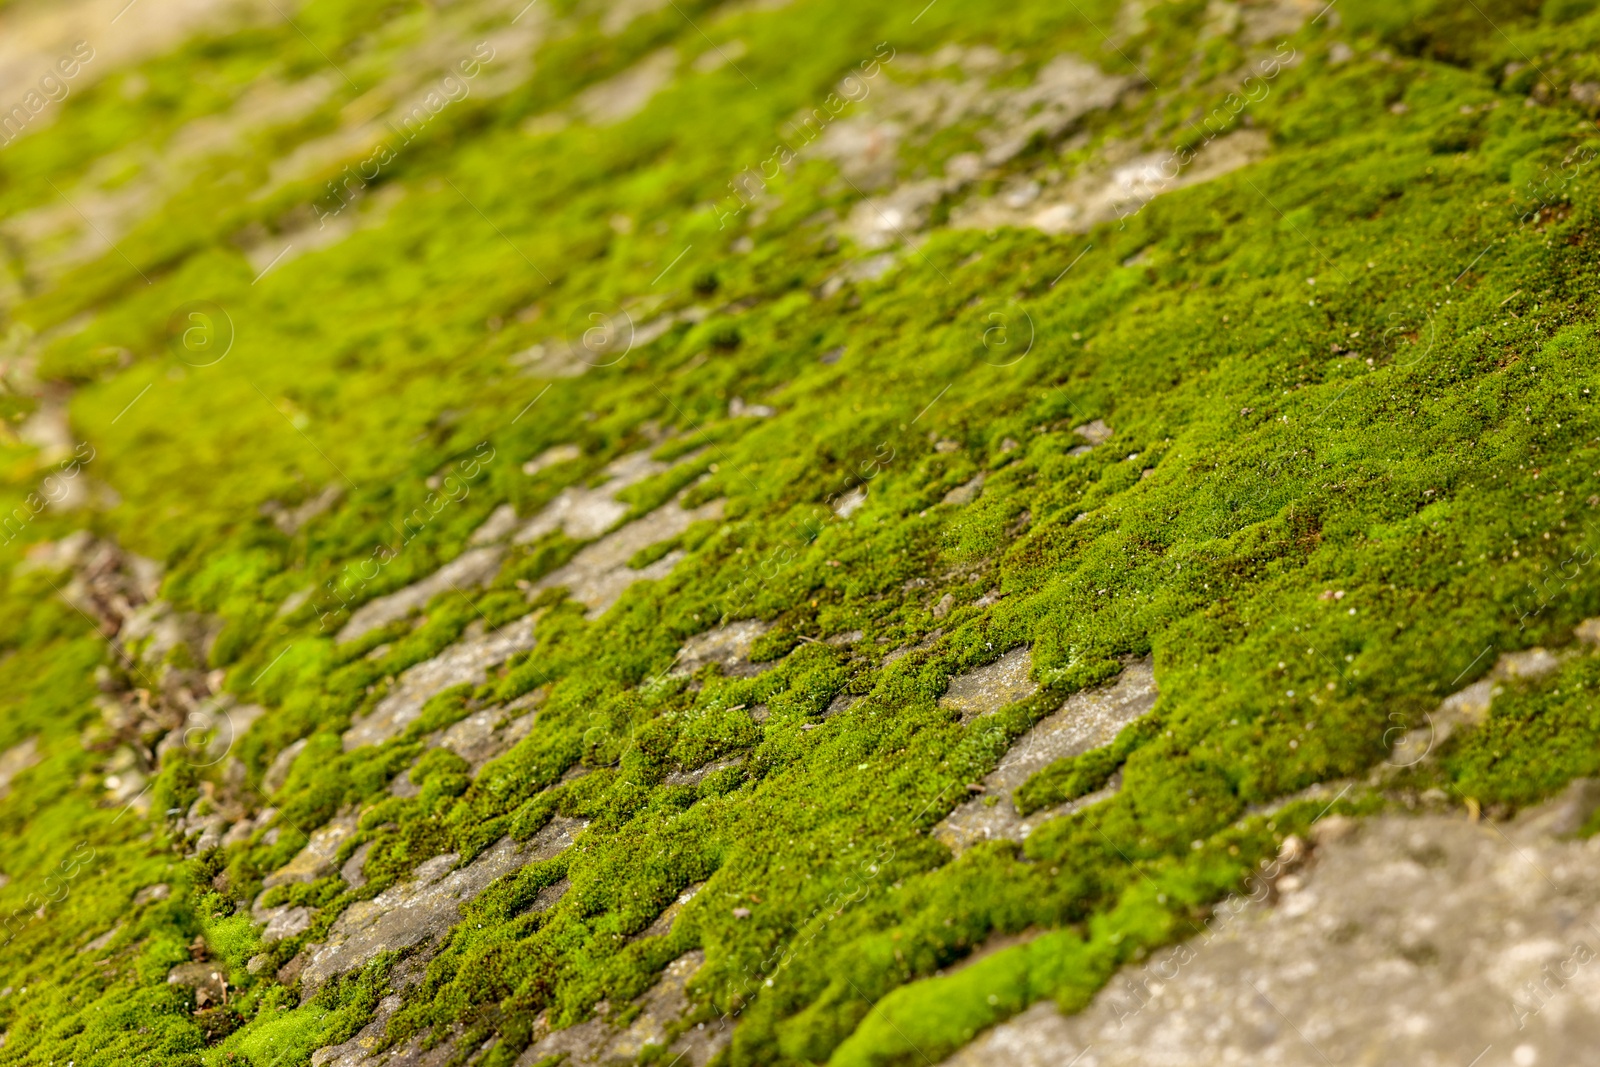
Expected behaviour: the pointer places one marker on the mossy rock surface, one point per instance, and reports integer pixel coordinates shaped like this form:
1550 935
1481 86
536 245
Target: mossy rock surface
444 430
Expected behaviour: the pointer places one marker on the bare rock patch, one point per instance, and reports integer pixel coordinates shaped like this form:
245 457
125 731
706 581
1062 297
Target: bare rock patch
467 661
991 687
472 568
1431 941
1087 719
599 574
599 1041
421 911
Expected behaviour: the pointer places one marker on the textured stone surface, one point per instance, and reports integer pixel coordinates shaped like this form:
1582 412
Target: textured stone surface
15 760
584 513
360 1050
597 1040
472 568
466 661
286 923
208 979
278 771
1088 719
483 735
695 775
1469 706
727 646
599 573
316 858
423 909
626 94
992 686
1428 941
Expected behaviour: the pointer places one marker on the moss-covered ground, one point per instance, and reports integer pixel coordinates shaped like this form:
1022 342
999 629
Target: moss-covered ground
1351 388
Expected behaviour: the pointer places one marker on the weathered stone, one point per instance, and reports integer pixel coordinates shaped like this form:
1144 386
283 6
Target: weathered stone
991 687
422 910
598 1041
1468 706
727 645
286 924
208 980
599 573
1095 432
627 93
967 492
1566 814
102 941
661 925
498 526
316 858
1428 941
152 893
353 870
550 457
698 774
466 661
1528 663
472 568
483 735
291 520
277 772
584 513
849 503
1087 719
15 760
359 1050
1117 185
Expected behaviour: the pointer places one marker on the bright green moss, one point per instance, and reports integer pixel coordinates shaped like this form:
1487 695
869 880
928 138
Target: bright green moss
1314 384
1067 779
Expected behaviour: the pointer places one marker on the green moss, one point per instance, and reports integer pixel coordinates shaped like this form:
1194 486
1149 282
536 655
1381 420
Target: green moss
1067 779
1315 387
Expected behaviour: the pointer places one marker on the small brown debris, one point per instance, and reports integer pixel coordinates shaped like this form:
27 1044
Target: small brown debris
1331 829
1293 850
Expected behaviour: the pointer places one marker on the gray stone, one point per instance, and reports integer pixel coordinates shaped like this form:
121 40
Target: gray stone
316 858
991 687
584 513
472 568
1095 432
151 893
1470 705
278 771
626 94
1566 814
359 1051
354 869
422 910
498 526
208 980
102 941
1430 941
599 1041
661 925
286 923
466 661
698 774
599 574
727 646
967 492
1087 719
15 760
483 735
